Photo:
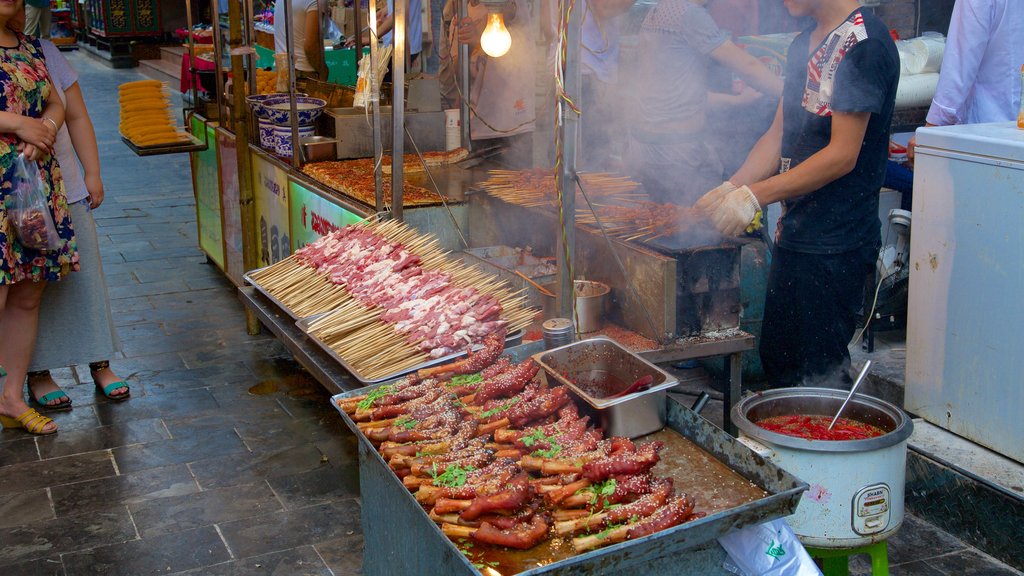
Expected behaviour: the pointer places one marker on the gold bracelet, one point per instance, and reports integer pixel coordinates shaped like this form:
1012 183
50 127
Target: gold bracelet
52 123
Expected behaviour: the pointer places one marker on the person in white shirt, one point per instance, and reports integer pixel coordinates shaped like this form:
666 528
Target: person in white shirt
308 25
980 79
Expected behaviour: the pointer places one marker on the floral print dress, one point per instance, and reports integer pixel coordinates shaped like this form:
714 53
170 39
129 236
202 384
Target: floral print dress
24 88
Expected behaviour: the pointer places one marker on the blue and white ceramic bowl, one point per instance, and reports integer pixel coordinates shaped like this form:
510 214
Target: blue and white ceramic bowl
256 102
283 138
308 109
267 135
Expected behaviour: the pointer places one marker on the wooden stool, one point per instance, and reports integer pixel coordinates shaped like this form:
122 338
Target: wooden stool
835 562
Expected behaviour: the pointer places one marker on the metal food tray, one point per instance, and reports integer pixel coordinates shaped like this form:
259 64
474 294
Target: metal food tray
512 339
248 280
402 539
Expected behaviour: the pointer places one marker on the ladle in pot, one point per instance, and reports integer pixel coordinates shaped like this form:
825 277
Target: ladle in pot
860 378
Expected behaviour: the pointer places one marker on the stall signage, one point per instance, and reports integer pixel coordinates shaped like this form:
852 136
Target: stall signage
314 216
271 190
229 201
206 182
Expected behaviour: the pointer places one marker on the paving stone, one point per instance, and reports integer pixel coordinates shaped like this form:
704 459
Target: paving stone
150 254
54 472
117 491
970 563
918 540
243 468
179 450
141 366
344 555
181 343
150 289
202 283
111 226
157 555
207 376
63 535
302 561
180 513
25 508
292 528
248 352
102 438
861 567
224 420
164 405
323 485
129 304
16 448
82 416
291 432
39 567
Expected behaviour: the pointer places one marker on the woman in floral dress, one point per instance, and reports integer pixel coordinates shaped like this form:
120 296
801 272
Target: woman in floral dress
30 115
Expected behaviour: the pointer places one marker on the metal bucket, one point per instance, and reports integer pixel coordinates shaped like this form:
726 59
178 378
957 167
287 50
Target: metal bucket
856 493
591 305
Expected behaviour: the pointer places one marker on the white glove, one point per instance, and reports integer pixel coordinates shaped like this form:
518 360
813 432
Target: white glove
712 199
736 211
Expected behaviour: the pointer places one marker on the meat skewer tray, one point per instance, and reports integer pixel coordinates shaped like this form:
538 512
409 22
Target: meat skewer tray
251 282
513 339
731 483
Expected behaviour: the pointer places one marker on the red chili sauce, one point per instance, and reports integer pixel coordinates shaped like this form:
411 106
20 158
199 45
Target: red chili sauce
816 427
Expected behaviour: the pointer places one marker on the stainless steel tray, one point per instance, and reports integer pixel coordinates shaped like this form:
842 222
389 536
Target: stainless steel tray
601 354
512 339
248 280
390 513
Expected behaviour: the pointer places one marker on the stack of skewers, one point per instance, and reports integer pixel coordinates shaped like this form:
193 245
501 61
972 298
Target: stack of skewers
498 457
624 211
387 299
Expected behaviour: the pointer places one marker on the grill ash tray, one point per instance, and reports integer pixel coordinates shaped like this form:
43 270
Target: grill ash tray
597 371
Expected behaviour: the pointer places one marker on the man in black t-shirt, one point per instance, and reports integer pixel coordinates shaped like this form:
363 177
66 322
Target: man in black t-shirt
824 159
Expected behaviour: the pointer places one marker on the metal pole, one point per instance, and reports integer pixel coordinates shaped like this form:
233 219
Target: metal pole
288 15
464 78
568 133
378 139
398 108
194 84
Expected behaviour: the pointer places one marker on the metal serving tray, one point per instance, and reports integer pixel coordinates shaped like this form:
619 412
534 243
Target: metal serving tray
601 360
705 462
512 339
248 280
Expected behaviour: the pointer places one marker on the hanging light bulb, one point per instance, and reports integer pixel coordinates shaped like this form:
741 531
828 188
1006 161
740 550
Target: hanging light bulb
495 39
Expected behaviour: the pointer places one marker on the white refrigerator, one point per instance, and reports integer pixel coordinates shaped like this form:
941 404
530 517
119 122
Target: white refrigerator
965 325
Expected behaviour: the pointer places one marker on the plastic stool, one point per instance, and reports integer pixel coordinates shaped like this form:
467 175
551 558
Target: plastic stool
835 562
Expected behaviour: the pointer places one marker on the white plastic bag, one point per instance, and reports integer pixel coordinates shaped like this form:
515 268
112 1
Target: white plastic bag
28 208
769 549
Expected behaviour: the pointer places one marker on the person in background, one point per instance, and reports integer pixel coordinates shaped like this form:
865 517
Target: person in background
38 18
599 76
980 76
413 29
76 325
824 158
308 19
668 150
31 114
502 91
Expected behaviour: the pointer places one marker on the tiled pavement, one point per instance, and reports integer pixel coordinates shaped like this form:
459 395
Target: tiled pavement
195 474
